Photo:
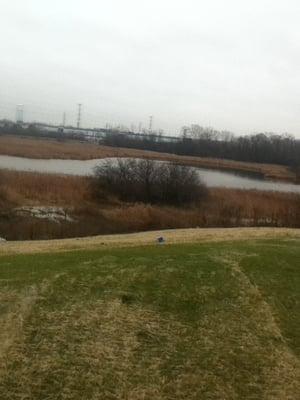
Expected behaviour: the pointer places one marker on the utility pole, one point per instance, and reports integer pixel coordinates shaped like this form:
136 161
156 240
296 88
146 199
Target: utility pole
79 115
150 123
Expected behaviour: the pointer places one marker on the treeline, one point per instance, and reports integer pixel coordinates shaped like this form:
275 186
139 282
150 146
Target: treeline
194 140
206 142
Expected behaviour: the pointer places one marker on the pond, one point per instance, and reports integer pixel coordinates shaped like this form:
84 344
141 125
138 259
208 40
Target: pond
212 178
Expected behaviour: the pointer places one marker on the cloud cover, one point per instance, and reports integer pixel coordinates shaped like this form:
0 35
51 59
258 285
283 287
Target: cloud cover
229 64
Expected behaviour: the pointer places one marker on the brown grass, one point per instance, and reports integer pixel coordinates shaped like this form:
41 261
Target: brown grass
28 188
181 322
18 308
46 149
97 330
148 238
222 208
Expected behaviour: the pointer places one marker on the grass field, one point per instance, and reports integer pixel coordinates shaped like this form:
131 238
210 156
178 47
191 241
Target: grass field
217 320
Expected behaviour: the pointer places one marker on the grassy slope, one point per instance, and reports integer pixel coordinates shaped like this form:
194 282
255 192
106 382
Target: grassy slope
192 321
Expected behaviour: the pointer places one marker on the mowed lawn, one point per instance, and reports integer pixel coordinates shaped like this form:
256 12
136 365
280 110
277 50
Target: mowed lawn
206 321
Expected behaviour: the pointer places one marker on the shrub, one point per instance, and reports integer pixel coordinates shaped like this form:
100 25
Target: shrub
150 181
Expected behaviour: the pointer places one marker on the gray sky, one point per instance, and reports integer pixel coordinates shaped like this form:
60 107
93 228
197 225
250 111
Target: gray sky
230 64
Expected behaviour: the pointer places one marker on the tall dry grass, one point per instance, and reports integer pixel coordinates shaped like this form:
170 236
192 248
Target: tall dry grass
28 188
254 207
223 208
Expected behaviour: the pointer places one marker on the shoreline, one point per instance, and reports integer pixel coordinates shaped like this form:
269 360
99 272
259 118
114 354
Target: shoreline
47 149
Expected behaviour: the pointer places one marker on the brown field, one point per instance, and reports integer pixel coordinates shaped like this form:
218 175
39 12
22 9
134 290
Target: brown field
46 149
74 195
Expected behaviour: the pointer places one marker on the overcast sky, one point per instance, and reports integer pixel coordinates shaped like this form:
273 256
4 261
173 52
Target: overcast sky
230 64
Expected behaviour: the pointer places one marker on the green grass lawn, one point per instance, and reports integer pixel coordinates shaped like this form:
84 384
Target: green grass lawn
208 321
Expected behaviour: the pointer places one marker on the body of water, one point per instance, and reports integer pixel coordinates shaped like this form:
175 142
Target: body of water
212 178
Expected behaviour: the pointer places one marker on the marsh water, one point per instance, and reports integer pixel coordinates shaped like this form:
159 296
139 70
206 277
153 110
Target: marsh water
212 178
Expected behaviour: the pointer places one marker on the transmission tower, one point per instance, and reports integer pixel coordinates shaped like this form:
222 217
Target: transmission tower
150 123
19 113
79 115
64 120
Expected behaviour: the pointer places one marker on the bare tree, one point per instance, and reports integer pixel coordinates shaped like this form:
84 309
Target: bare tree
150 181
